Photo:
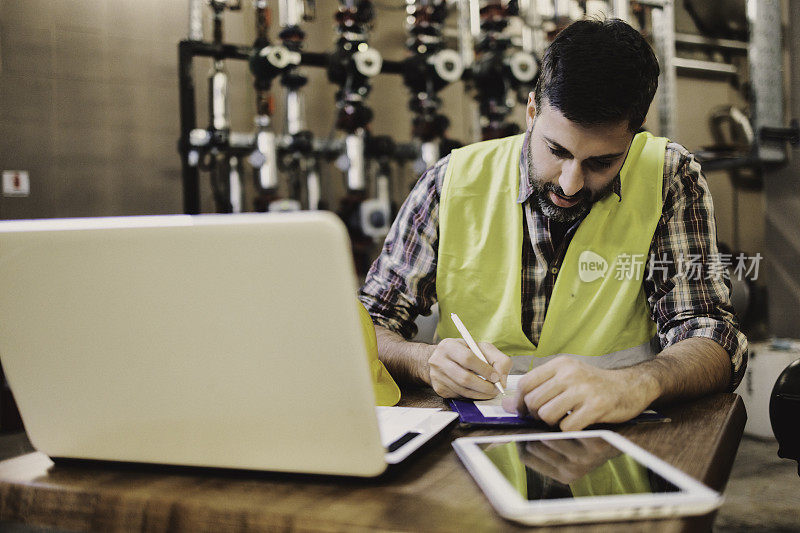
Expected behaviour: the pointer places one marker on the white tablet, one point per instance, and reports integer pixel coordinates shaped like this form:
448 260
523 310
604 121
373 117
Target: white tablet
580 476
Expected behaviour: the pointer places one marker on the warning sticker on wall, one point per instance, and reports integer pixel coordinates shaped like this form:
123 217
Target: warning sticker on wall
16 183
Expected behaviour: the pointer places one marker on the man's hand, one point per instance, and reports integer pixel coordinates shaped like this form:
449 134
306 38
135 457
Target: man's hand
573 394
454 370
687 369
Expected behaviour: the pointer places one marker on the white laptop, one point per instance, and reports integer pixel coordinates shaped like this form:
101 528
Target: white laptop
226 341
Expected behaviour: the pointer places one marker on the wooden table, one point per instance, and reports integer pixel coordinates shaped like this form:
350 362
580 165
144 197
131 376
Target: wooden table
430 491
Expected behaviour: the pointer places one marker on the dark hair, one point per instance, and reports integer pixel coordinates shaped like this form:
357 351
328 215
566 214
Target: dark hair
599 72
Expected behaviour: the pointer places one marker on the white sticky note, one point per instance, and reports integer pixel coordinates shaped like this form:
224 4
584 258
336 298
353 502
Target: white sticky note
494 407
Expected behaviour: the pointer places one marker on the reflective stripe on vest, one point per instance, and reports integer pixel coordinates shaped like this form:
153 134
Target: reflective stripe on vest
598 305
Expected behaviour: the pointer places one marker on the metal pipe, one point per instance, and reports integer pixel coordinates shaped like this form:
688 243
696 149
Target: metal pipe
620 9
266 145
313 187
196 20
217 25
262 23
219 103
295 113
766 74
226 51
188 116
235 186
356 171
465 34
382 189
474 19
322 59
429 153
664 36
708 42
527 11
291 12
710 67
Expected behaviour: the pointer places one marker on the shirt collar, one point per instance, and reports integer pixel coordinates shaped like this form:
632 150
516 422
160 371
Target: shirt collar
525 187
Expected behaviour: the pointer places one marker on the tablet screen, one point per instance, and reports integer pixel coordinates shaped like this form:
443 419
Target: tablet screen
572 468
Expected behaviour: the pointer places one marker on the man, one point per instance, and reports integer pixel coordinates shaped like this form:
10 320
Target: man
565 252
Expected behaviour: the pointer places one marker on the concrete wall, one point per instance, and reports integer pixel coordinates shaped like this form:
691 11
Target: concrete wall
88 105
89 101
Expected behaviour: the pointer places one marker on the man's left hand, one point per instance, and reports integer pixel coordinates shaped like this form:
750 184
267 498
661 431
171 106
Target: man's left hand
573 394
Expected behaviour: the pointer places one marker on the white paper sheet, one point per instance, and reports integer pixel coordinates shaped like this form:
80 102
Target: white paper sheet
494 407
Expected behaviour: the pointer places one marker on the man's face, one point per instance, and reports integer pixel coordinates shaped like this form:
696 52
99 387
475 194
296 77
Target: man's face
571 166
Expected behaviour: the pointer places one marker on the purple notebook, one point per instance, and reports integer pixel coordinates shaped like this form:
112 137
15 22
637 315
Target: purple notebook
469 414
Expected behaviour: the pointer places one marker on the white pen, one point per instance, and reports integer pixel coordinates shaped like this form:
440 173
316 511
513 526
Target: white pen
472 345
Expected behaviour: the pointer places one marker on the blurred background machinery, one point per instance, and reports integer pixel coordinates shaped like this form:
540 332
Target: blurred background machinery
484 54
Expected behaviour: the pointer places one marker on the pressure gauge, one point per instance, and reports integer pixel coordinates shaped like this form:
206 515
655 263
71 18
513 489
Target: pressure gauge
280 57
368 61
448 65
523 66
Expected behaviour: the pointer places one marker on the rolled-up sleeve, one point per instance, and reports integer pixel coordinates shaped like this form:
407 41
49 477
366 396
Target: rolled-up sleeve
401 283
687 284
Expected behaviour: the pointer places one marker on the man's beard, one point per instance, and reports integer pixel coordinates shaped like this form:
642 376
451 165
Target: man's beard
541 192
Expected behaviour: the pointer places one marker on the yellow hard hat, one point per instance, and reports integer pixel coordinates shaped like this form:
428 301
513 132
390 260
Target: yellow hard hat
386 390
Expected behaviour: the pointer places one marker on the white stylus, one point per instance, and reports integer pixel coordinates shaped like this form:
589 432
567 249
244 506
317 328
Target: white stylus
472 346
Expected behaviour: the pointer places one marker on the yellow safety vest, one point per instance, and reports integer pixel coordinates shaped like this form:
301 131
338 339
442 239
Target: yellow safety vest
619 475
386 390
598 305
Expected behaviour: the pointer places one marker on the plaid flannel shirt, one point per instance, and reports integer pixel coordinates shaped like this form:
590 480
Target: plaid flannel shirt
401 283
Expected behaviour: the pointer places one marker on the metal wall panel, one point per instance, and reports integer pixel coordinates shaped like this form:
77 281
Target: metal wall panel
782 188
